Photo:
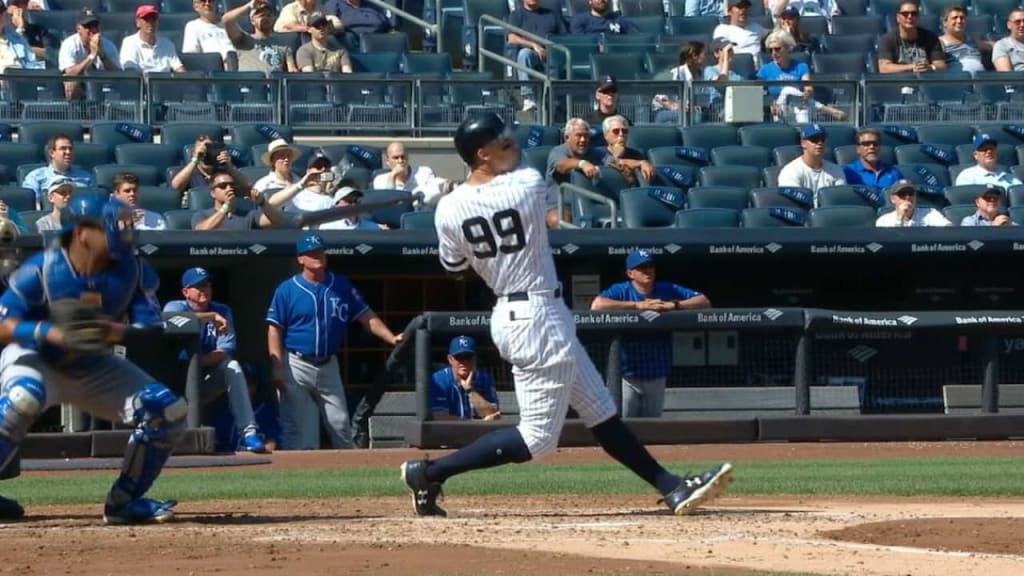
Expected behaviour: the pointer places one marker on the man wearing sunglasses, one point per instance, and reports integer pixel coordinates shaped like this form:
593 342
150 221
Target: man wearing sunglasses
630 162
86 48
1008 53
869 170
903 196
908 47
811 170
990 209
226 213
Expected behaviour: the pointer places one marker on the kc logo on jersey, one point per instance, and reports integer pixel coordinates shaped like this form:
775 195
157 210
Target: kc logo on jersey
339 310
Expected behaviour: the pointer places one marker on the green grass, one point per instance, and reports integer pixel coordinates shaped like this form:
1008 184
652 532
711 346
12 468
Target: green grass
917 477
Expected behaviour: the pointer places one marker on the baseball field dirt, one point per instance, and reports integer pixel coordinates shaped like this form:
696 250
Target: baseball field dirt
541 535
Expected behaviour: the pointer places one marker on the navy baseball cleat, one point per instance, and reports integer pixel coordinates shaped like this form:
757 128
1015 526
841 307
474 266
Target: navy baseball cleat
424 492
10 509
253 443
141 511
699 489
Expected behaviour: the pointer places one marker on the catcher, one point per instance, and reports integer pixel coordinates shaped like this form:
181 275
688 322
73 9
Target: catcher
460 391
62 311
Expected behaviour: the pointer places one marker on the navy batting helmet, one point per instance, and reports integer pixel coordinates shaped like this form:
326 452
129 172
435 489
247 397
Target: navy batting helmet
476 132
113 216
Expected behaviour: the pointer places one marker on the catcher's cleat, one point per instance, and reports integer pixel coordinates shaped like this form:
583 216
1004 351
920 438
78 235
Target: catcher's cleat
699 489
141 511
424 492
10 509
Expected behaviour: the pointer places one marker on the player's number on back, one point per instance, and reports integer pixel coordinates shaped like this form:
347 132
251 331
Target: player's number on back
503 233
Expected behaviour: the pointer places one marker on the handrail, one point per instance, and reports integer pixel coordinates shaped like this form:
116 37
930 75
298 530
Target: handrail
435 28
613 209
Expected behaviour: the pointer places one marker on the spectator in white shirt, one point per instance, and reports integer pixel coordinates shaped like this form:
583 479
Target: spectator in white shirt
348 196
206 34
86 48
126 189
746 36
903 195
403 176
279 158
811 170
146 50
986 171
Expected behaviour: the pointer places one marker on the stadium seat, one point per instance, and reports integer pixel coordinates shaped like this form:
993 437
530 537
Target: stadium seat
360 177
382 62
708 136
61 22
244 96
743 65
850 195
159 198
726 175
1017 159
179 219
245 136
769 135
644 138
1000 132
660 62
535 135
392 215
5 174
180 134
589 213
580 47
896 134
926 174
707 218
88 155
389 42
622 65
948 134
788 197
675 175
679 155
440 64
1006 155
1017 215
1018 171
783 155
840 63
29 217
687 25
39 132
110 134
420 220
652 25
999 9
770 176
1015 195
848 43
958 212
842 217
180 97
536 158
926 154
772 217
199 198
161 156
18 198
24 169
731 197
202 61
147 175
756 156
852 7
847 154
369 157
634 8
641 208
635 44
864 24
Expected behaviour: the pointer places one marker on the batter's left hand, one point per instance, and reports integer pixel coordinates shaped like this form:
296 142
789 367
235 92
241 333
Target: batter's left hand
397 338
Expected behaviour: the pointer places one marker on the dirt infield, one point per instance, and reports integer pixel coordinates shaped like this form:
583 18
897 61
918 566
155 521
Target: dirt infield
555 535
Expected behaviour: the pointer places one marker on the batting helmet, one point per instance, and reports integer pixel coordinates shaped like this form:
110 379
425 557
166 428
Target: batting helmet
476 132
113 216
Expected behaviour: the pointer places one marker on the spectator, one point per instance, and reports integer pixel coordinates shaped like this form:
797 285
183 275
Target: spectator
627 161
58 193
217 347
209 156
15 51
279 158
225 214
295 15
789 20
258 51
745 36
869 170
126 189
601 19
318 55
353 19
986 171
692 66
61 151
783 67
991 211
903 196
702 8
575 154
312 192
539 21
797 8
1008 53
34 34
86 48
461 391
206 34
908 47
350 196
811 170
8 213
962 51
646 360
401 175
146 50
606 96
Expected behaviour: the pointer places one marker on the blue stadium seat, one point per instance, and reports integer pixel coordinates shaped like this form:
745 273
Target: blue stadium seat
159 198
772 217
5 174
926 154
580 47
926 174
783 155
536 157
689 25
847 154
29 217
708 136
621 44
1017 215
18 198
707 218
389 42
1015 195
202 61
147 175
535 135
840 63
1006 154
770 176
652 25
39 132
957 213
38 94
645 138
850 195
180 97
180 134
775 197
88 155
60 21
440 64
110 134
896 134
660 62
769 135
848 43
641 209
842 217
864 24
633 8
743 64
675 175
679 155
589 213
179 219
1001 133
420 220
998 9
746 155
199 198
963 194
380 62
949 134
360 177
852 7
731 197
244 96
245 136
726 175
622 65
161 156
392 215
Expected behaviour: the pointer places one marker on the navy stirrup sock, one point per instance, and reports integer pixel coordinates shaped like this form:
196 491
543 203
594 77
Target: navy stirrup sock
493 449
620 443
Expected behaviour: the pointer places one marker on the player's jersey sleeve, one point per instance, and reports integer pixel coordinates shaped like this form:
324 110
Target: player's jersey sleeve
226 342
485 384
144 309
356 303
618 292
438 392
449 248
24 296
684 293
277 313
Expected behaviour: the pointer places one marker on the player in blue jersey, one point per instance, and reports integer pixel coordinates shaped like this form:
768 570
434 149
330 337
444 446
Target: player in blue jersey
93 261
221 372
306 324
462 391
646 360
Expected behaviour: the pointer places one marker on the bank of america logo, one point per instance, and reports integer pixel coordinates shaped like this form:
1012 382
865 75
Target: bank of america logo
649 315
363 248
570 248
862 353
179 321
907 319
773 314
257 248
673 248
874 247
975 244
773 247
148 249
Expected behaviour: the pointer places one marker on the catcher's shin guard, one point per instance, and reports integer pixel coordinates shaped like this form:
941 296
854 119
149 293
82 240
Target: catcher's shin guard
23 402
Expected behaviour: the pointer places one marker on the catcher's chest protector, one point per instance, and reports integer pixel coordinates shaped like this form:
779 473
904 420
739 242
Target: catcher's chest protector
112 290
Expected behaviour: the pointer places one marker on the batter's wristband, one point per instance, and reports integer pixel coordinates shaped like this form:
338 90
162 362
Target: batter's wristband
28 333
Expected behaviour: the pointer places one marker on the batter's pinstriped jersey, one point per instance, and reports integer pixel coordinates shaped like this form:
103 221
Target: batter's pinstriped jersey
314 316
499 229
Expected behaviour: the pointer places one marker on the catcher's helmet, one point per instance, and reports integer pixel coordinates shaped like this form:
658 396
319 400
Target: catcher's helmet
476 132
112 215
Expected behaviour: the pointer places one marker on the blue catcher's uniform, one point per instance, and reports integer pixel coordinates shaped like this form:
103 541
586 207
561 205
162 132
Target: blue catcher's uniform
35 374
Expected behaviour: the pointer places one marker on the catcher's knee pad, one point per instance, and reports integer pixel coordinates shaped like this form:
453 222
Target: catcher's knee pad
158 415
23 401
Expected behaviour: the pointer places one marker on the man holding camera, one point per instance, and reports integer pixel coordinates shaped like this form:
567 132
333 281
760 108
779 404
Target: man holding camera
209 157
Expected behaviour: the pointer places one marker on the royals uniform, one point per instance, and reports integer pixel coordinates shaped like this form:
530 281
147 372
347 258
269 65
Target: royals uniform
499 230
313 318
446 395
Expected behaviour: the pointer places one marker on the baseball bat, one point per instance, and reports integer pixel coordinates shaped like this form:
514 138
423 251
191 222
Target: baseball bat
339 212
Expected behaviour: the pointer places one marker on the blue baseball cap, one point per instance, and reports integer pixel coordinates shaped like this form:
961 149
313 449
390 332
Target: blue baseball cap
462 345
638 258
812 130
194 277
309 243
982 139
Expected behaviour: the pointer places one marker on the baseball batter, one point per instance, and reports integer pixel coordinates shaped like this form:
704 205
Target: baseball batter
62 310
306 325
494 224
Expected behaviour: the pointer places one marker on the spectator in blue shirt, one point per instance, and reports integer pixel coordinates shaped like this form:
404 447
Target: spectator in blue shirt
461 391
869 170
783 67
61 151
540 21
601 19
646 360
991 211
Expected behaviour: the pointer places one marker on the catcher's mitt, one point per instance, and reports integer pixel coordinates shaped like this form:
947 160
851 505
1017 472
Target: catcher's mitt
86 329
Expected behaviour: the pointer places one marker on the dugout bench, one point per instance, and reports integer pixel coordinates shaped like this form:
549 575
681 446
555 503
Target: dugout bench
963 399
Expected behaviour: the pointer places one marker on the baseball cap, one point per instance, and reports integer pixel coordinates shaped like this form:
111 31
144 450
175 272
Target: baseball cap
607 84
146 10
790 12
462 345
347 193
59 185
638 258
87 17
982 139
902 186
194 277
718 43
309 243
990 189
316 19
738 3
812 130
